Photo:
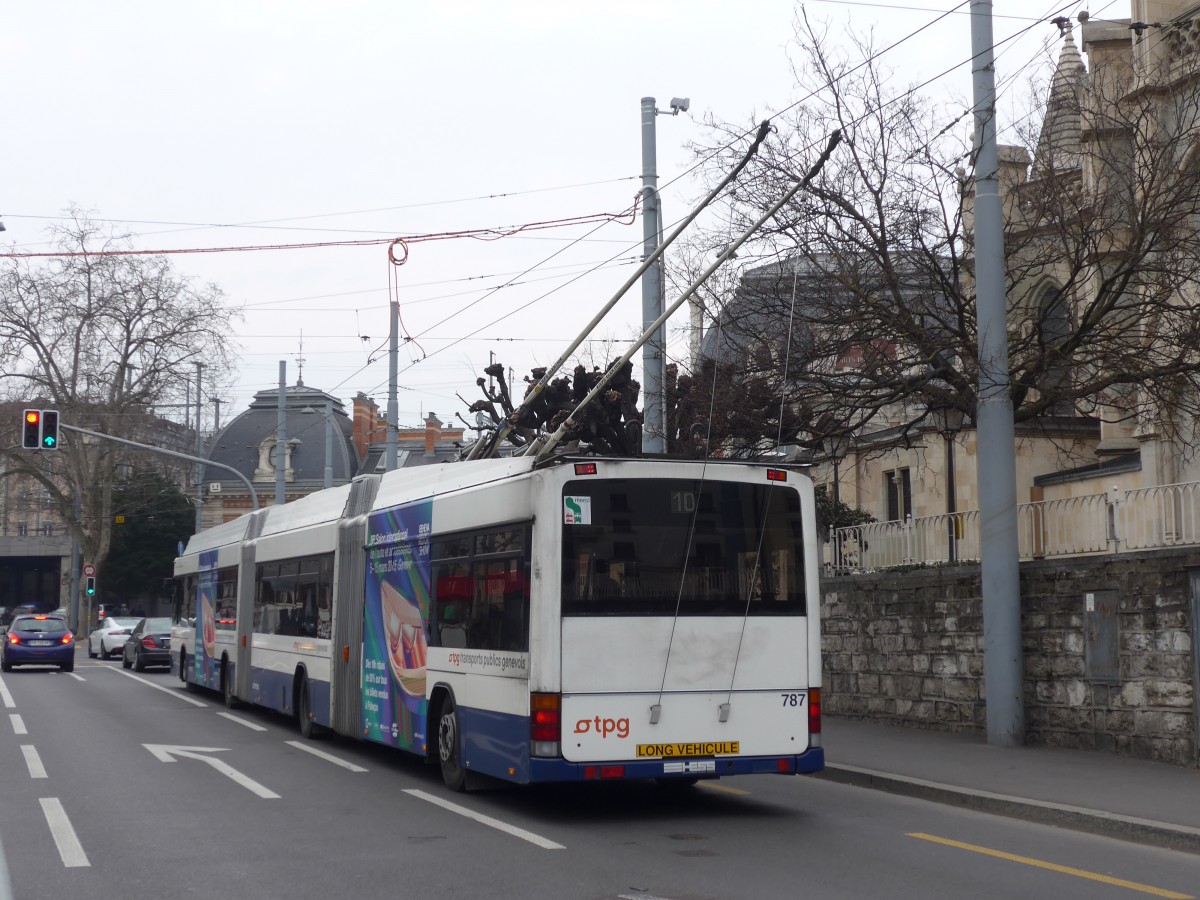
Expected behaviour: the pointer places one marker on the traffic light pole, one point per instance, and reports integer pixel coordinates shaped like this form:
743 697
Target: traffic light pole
196 459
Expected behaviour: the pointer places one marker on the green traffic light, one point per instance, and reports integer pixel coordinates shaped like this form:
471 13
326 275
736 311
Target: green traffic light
49 441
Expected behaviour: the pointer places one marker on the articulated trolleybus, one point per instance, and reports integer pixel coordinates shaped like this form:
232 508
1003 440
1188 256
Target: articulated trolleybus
578 618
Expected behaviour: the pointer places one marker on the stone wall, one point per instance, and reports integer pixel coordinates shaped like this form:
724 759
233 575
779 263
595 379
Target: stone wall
907 647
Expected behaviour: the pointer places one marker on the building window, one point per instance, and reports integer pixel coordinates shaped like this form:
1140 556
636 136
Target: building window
22 529
899 494
47 529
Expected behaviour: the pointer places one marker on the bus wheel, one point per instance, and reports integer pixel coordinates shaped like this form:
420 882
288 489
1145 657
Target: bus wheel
450 748
183 663
227 687
303 713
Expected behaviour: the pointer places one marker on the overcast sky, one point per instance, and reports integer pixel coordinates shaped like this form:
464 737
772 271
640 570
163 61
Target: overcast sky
246 122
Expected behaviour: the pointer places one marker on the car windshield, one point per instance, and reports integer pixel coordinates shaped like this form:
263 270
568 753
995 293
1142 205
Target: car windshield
158 625
39 624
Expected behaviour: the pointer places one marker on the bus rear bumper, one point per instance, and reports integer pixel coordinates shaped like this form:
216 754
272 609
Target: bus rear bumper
808 762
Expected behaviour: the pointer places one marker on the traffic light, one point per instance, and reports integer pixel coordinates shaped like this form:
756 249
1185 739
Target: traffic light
49 430
90 586
31 424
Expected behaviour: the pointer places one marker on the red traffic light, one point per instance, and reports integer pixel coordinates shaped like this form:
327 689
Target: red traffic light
31 432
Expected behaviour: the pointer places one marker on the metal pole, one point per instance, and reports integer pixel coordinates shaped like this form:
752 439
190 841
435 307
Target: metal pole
152 449
1002 664
393 377
199 449
76 562
328 443
951 501
281 438
653 430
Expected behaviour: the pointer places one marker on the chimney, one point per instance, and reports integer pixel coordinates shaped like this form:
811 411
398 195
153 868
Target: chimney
433 433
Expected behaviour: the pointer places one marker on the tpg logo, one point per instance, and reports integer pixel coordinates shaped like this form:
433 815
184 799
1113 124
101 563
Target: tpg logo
603 727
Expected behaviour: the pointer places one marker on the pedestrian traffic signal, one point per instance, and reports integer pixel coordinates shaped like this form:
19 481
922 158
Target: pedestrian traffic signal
90 586
49 430
31 435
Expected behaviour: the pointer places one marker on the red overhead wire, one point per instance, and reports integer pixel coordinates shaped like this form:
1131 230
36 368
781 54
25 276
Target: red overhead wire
625 217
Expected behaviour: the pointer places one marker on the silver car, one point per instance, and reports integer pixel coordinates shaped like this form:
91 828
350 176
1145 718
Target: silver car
110 636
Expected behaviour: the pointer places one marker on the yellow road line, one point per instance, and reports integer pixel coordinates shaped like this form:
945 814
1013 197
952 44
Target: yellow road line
1054 867
713 786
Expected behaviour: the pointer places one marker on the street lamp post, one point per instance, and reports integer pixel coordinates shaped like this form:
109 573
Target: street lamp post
836 447
949 420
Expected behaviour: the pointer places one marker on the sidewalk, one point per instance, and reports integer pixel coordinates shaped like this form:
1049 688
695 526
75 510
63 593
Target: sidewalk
1130 799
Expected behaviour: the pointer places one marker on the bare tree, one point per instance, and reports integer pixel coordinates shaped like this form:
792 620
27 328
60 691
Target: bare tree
858 308
101 335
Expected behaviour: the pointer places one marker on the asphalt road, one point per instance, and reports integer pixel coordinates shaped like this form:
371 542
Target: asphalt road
95 804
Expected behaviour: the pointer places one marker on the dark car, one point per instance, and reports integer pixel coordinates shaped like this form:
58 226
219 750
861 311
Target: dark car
149 644
38 640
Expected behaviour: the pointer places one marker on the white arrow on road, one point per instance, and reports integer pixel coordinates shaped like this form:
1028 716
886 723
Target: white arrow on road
167 753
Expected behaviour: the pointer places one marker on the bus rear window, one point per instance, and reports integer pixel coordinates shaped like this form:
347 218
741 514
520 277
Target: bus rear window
661 547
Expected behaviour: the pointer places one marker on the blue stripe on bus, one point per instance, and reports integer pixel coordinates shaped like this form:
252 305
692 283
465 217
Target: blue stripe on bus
274 691
561 770
495 742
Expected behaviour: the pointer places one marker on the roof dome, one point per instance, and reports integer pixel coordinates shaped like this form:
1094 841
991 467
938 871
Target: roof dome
247 443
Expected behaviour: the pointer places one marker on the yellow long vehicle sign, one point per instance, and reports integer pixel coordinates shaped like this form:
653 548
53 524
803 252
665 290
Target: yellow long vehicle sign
712 748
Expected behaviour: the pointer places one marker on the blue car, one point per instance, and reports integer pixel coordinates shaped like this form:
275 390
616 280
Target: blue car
38 640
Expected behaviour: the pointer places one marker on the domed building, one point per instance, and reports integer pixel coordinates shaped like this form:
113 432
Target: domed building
356 445
248 444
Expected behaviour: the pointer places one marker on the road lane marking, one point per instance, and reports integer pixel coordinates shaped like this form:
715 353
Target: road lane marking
18 723
76 677
328 757
1054 867
174 692
167 753
521 833
64 835
33 761
6 696
253 726
724 789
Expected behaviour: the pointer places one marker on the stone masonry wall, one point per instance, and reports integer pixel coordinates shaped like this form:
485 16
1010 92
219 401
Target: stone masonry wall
907 647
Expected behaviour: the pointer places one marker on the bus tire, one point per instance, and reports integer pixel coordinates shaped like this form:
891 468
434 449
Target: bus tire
183 662
231 702
450 747
308 729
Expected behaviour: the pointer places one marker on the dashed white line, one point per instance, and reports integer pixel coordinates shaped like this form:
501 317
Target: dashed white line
521 833
6 696
64 835
253 726
328 757
76 677
158 687
33 761
18 723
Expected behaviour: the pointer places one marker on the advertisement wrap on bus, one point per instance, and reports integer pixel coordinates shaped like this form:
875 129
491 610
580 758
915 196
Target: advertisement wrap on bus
206 622
397 608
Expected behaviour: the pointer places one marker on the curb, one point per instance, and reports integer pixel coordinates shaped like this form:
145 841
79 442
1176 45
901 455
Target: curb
1079 818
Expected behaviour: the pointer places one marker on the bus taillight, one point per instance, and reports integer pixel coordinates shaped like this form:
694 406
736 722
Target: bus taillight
545 724
814 717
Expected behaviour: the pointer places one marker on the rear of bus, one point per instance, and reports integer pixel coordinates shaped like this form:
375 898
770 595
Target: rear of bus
690 631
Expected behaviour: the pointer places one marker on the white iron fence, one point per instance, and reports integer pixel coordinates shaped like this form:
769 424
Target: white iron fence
1143 519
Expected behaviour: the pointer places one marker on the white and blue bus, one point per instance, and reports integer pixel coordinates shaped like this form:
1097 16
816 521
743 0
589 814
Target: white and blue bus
576 619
